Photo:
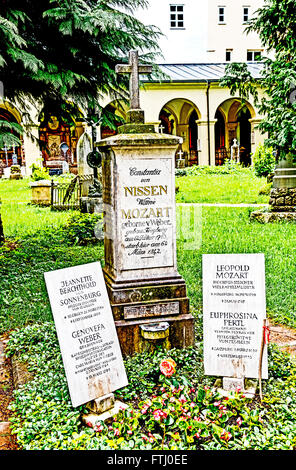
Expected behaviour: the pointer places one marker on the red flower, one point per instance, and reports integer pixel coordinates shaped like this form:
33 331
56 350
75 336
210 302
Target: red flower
167 367
159 414
225 435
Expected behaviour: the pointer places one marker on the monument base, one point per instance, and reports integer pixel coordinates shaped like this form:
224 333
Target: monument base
228 385
137 303
15 172
102 409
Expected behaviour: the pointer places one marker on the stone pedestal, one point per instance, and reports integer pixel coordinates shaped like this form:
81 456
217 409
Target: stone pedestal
233 384
282 202
41 192
154 335
140 271
15 172
102 409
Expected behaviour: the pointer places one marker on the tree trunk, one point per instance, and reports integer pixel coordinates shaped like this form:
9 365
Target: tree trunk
2 239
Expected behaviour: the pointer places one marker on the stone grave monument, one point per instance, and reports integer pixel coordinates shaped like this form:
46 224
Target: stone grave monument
84 147
234 318
147 294
235 151
282 202
88 340
15 172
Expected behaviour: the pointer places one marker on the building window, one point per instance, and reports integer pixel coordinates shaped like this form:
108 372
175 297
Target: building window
221 14
228 55
254 56
177 16
246 11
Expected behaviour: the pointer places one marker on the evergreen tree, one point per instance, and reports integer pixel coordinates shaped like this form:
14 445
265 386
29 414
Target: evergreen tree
275 24
61 54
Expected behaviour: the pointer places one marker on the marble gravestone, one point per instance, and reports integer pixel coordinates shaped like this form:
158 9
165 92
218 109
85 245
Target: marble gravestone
234 310
143 283
86 332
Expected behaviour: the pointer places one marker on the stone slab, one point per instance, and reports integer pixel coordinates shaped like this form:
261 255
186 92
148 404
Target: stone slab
93 418
86 332
234 309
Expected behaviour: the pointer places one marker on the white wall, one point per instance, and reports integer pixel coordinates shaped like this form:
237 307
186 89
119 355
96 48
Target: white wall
202 33
231 34
182 45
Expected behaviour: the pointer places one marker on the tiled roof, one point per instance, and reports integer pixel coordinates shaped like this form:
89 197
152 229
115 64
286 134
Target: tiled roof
201 72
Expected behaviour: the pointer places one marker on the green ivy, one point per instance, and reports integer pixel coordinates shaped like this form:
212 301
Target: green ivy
184 411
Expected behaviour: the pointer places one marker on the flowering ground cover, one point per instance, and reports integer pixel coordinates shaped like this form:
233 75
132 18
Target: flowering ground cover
172 405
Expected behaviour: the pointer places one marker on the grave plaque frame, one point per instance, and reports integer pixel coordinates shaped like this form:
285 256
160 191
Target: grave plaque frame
234 310
86 332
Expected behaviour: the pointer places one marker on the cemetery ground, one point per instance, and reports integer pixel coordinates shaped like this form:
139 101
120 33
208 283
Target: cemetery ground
179 408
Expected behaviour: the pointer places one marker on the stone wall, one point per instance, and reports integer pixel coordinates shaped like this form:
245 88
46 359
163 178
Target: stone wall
283 199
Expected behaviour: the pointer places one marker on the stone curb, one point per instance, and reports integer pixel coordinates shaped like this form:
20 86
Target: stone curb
5 435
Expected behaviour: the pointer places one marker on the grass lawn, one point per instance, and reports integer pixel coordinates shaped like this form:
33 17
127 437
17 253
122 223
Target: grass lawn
222 230
239 188
228 230
19 217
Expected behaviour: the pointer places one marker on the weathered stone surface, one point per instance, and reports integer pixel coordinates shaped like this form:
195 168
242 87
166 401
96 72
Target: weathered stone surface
102 404
266 217
140 270
86 332
232 383
91 205
181 332
93 419
20 372
15 172
41 192
234 310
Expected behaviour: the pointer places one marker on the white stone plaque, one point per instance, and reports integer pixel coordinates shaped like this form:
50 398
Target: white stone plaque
146 213
86 332
234 309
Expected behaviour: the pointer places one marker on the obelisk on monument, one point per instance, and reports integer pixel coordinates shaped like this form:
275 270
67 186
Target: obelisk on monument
146 291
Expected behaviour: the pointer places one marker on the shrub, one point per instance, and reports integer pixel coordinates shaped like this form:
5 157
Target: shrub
83 228
264 160
228 168
39 173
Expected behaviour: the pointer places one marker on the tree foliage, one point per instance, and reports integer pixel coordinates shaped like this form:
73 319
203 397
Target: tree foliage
61 54
275 23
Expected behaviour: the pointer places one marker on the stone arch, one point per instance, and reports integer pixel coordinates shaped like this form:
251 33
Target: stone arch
179 116
12 110
236 115
13 154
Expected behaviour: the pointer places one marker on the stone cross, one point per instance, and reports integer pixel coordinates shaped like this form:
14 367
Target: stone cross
161 129
180 153
134 69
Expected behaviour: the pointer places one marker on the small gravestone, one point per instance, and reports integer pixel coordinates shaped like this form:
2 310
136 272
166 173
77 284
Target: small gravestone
84 147
87 334
235 151
234 312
